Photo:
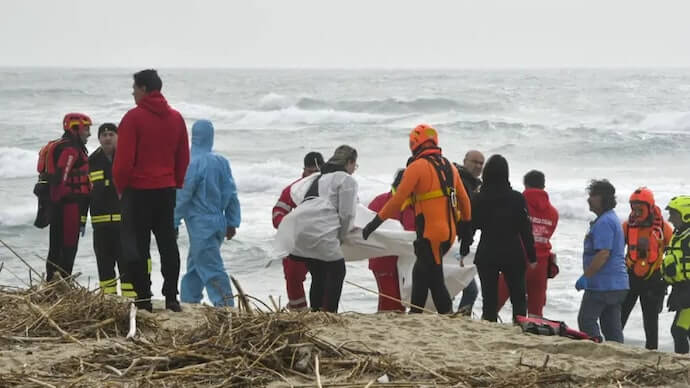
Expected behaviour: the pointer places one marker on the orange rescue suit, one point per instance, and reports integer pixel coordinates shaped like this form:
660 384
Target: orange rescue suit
432 216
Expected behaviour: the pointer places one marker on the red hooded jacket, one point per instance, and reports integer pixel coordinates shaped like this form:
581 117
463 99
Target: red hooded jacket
544 219
152 146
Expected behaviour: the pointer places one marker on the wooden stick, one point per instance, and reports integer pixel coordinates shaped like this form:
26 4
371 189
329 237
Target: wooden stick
52 323
20 258
316 371
98 325
31 339
242 296
41 383
391 298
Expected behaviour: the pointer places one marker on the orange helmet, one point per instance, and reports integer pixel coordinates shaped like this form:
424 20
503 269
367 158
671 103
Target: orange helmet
78 120
421 134
645 196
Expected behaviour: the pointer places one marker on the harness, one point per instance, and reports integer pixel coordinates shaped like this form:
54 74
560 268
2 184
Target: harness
445 176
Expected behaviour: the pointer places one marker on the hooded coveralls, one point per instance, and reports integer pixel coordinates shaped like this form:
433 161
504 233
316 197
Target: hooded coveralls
209 205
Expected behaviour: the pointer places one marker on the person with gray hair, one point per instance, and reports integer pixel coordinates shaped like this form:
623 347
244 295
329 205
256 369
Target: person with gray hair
324 217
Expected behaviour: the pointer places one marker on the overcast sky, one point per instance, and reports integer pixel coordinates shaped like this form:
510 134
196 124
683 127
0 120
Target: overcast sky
347 33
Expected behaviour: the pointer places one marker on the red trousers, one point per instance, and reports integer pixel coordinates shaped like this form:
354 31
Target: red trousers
536 287
385 271
295 274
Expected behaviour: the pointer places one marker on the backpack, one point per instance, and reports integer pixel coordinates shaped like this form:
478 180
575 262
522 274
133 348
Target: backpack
46 169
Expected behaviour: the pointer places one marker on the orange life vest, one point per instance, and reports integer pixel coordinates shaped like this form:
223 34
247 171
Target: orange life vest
645 245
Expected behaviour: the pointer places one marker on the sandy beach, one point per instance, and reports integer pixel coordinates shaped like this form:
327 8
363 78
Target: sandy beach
375 349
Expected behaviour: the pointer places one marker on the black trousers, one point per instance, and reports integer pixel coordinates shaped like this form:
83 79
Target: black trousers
514 275
143 212
326 283
107 245
651 295
64 238
428 276
680 331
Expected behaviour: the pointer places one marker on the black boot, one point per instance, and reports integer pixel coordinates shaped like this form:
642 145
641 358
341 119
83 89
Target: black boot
172 304
144 305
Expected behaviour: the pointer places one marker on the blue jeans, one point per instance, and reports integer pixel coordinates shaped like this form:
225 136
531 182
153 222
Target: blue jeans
469 295
602 307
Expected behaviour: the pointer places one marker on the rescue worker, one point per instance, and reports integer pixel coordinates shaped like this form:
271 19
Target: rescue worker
105 216
69 193
646 235
544 218
150 163
676 271
385 268
501 214
442 212
295 271
605 279
470 171
323 219
210 208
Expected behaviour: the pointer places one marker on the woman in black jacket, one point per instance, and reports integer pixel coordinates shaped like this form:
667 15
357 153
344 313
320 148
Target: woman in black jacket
501 214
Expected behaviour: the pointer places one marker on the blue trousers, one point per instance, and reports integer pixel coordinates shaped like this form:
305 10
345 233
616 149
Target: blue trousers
602 307
205 268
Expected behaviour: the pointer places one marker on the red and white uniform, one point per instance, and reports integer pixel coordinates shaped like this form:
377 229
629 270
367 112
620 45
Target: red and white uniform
295 271
385 268
544 219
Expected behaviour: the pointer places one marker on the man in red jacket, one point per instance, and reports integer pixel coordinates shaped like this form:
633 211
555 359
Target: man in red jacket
544 219
150 163
295 271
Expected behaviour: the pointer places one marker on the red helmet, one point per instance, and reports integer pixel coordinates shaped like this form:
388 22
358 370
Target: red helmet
421 134
644 196
78 120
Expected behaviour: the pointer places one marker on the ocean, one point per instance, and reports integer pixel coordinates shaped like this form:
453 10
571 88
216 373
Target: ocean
629 126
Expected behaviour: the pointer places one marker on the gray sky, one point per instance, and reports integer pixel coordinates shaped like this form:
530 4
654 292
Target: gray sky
348 33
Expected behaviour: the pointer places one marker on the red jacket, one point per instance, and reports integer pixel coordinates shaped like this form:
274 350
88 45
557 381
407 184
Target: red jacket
152 146
544 219
405 217
284 205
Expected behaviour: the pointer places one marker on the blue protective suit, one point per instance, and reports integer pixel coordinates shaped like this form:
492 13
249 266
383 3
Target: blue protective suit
208 204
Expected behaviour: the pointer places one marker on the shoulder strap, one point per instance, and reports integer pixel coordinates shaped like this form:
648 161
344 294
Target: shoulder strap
445 177
313 189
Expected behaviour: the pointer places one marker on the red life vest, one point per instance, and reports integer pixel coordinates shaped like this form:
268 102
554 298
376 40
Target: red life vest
645 242
76 172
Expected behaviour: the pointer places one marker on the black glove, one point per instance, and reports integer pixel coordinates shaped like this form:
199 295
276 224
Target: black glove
371 226
464 249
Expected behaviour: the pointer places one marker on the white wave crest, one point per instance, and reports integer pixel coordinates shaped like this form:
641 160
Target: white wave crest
17 163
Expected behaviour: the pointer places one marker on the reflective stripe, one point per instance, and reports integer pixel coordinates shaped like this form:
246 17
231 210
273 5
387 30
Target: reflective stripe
126 286
107 282
83 219
106 218
129 294
683 319
276 214
423 197
96 175
148 262
107 182
128 290
110 290
283 206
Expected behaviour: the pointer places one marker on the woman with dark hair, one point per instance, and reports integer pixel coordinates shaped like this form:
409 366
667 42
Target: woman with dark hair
324 217
501 214
605 278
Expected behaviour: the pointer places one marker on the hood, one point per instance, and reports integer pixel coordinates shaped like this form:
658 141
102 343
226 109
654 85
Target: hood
495 174
202 137
154 102
537 199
